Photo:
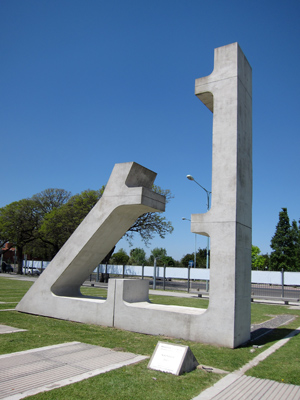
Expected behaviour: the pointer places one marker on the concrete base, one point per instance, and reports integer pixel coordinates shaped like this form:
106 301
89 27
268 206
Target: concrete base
136 313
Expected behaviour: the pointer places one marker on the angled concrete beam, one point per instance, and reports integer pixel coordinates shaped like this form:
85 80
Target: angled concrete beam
56 293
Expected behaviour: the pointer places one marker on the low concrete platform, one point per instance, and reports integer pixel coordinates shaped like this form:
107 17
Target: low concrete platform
33 371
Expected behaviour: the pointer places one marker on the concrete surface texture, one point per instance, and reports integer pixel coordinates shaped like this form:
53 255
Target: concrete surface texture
57 293
227 92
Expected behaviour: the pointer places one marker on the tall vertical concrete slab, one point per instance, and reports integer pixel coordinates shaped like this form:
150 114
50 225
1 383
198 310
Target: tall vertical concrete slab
227 92
226 322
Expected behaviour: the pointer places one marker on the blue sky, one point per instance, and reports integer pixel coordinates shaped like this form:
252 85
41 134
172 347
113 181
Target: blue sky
86 84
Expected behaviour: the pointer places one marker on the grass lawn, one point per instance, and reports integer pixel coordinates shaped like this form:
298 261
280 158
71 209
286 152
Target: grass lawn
136 381
281 366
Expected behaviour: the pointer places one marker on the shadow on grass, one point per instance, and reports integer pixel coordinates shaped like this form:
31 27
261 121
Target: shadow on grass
264 336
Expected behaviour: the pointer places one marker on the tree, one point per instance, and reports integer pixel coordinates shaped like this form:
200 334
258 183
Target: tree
46 201
282 244
169 261
54 216
19 222
50 199
119 258
200 258
147 226
137 256
2 243
187 258
161 257
150 224
59 224
258 261
295 234
159 253
266 258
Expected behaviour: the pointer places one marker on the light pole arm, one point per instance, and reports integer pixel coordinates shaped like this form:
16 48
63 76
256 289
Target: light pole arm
208 193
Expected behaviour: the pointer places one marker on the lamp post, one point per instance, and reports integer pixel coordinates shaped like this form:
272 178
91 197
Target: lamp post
208 193
154 272
195 252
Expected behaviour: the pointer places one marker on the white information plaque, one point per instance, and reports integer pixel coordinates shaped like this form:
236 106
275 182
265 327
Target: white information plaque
171 358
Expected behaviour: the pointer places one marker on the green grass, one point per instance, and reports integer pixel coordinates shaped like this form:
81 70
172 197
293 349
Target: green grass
12 289
93 291
179 301
283 365
263 312
136 381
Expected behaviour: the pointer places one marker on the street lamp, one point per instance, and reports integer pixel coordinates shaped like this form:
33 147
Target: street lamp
154 274
187 219
208 193
195 253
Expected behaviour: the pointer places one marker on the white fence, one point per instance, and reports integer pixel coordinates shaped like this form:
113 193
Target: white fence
148 271
30 264
276 277
263 277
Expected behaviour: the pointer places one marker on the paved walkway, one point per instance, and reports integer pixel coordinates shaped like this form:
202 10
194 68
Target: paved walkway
249 388
30 372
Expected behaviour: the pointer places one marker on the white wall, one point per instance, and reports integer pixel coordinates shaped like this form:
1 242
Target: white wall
35 264
268 277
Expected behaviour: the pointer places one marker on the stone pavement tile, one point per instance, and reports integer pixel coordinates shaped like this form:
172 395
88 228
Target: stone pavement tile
29 372
249 388
237 387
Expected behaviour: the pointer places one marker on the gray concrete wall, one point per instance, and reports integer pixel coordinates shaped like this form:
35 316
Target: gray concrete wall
227 92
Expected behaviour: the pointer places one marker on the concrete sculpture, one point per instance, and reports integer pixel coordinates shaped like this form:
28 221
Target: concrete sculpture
56 293
227 92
